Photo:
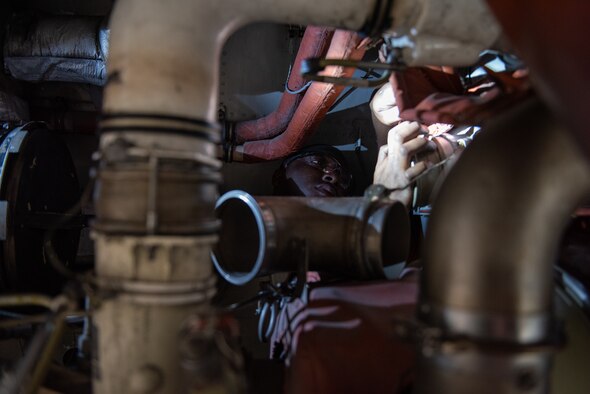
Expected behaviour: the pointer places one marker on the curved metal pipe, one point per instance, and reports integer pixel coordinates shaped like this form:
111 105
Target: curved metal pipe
353 237
492 238
314 44
159 126
143 78
311 111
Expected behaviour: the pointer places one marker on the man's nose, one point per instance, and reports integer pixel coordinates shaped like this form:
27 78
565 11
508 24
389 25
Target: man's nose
330 176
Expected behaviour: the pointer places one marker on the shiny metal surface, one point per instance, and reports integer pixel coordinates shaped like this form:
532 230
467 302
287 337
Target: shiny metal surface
484 373
264 224
496 224
353 237
492 240
525 329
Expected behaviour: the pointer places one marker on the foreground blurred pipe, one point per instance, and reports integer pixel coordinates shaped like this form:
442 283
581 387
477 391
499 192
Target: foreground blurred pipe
352 237
318 99
314 44
487 283
158 177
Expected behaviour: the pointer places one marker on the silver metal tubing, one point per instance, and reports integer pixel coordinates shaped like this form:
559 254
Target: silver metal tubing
496 224
492 239
354 237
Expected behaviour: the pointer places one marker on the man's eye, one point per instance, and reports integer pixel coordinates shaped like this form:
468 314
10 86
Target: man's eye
313 161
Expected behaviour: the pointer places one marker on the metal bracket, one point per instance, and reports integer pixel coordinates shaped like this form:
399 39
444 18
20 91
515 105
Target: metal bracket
310 69
294 287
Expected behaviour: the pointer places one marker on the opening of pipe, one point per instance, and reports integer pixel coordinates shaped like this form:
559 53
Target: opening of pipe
242 236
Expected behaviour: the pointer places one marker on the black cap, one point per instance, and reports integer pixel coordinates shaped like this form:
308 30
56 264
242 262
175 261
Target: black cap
315 149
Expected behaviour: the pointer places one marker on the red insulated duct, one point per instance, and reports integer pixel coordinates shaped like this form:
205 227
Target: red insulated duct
317 101
314 44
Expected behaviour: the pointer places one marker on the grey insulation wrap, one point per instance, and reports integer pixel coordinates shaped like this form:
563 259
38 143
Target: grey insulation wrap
13 108
57 48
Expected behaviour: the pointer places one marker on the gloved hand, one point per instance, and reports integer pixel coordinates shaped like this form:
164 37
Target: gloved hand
385 113
393 168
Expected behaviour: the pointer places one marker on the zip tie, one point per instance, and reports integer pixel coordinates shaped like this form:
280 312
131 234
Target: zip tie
300 90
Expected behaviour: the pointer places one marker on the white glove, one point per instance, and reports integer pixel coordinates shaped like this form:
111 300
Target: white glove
393 163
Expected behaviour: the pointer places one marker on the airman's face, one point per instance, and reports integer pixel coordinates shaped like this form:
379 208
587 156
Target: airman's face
317 175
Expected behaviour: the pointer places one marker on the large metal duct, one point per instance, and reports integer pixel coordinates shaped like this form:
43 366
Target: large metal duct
158 150
354 237
487 286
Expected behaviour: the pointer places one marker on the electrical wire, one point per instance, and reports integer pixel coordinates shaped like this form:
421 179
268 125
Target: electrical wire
48 249
24 321
416 179
26 300
297 91
368 72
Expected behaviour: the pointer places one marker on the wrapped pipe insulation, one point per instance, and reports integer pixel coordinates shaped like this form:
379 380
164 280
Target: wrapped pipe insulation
57 48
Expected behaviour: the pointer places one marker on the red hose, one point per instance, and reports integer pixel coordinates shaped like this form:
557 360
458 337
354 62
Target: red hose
314 44
312 109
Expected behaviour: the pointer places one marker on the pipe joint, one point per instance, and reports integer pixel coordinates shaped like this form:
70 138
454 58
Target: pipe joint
169 199
442 32
129 122
168 163
156 259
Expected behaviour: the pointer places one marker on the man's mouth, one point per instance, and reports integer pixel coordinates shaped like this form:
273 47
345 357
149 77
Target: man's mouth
326 190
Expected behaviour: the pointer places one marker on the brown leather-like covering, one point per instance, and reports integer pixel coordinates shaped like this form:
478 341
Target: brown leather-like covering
552 38
345 340
429 96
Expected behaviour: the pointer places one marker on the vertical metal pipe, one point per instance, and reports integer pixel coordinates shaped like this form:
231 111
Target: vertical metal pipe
158 174
492 238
